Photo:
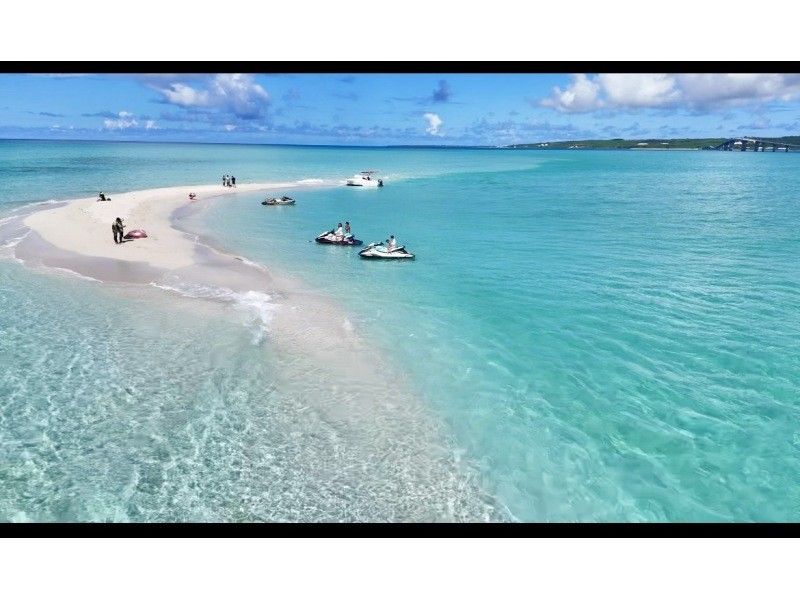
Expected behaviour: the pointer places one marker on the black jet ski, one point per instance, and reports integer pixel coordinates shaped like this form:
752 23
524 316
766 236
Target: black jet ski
328 238
379 251
278 201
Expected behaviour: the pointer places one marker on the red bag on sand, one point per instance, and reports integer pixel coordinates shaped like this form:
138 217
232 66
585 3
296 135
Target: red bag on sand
136 234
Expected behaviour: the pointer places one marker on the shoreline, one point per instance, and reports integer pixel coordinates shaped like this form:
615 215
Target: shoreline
373 405
82 226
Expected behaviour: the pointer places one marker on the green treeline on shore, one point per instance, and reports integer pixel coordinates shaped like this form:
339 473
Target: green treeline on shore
656 144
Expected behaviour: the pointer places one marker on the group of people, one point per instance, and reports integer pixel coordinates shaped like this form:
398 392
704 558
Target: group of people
118 229
390 243
103 197
228 180
340 233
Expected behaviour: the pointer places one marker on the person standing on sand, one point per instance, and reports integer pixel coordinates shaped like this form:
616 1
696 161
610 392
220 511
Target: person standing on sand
233 181
224 180
117 228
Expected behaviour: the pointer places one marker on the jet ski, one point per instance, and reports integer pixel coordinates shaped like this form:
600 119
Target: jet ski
381 252
278 201
328 238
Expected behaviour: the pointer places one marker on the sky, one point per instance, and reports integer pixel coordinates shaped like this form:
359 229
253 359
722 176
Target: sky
396 109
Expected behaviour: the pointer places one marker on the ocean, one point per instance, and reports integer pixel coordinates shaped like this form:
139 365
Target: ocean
583 336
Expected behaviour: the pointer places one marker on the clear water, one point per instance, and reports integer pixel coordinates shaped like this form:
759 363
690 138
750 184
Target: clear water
597 336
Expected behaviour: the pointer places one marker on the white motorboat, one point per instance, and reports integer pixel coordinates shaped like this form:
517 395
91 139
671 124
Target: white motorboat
366 178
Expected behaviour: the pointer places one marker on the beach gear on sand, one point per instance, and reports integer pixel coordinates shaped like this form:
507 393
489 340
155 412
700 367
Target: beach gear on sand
136 234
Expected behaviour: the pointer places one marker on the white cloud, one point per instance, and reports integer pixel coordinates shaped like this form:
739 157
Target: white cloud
434 123
738 88
126 120
579 96
230 127
631 91
639 90
183 95
236 93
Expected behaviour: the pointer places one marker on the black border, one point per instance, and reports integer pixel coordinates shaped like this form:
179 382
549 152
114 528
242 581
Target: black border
401 530
283 67
398 530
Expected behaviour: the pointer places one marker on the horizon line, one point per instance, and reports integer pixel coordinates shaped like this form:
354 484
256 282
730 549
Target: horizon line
513 145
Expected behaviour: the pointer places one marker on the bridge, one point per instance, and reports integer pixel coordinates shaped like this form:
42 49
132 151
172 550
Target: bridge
743 144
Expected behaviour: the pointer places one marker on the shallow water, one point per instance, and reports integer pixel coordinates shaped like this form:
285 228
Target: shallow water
589 335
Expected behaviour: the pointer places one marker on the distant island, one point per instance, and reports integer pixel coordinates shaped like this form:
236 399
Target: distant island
649 144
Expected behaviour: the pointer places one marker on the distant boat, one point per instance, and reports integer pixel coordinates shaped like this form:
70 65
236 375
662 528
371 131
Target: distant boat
365 178
278 201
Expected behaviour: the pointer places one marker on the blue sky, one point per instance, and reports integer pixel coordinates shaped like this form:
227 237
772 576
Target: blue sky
396 109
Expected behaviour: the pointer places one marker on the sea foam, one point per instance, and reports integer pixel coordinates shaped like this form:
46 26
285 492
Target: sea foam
258 307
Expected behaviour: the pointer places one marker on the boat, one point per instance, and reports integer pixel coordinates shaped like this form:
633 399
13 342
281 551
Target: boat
379 251
328 238
365 178
278 201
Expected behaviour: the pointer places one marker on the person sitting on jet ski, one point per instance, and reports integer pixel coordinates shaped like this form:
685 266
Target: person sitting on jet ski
391 244
347 228
339 232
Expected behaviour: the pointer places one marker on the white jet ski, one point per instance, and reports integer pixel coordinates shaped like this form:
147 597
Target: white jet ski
278 201
379 251
328 238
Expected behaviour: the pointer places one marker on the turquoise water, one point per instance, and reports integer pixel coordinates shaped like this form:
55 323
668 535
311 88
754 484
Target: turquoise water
599 336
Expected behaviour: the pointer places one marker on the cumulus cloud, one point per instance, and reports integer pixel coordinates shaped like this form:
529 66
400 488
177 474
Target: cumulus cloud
693 91
123 120
738 88
184 95
237 94
434 123
639 90
581 95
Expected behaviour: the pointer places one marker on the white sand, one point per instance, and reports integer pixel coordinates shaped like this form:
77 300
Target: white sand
84 225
